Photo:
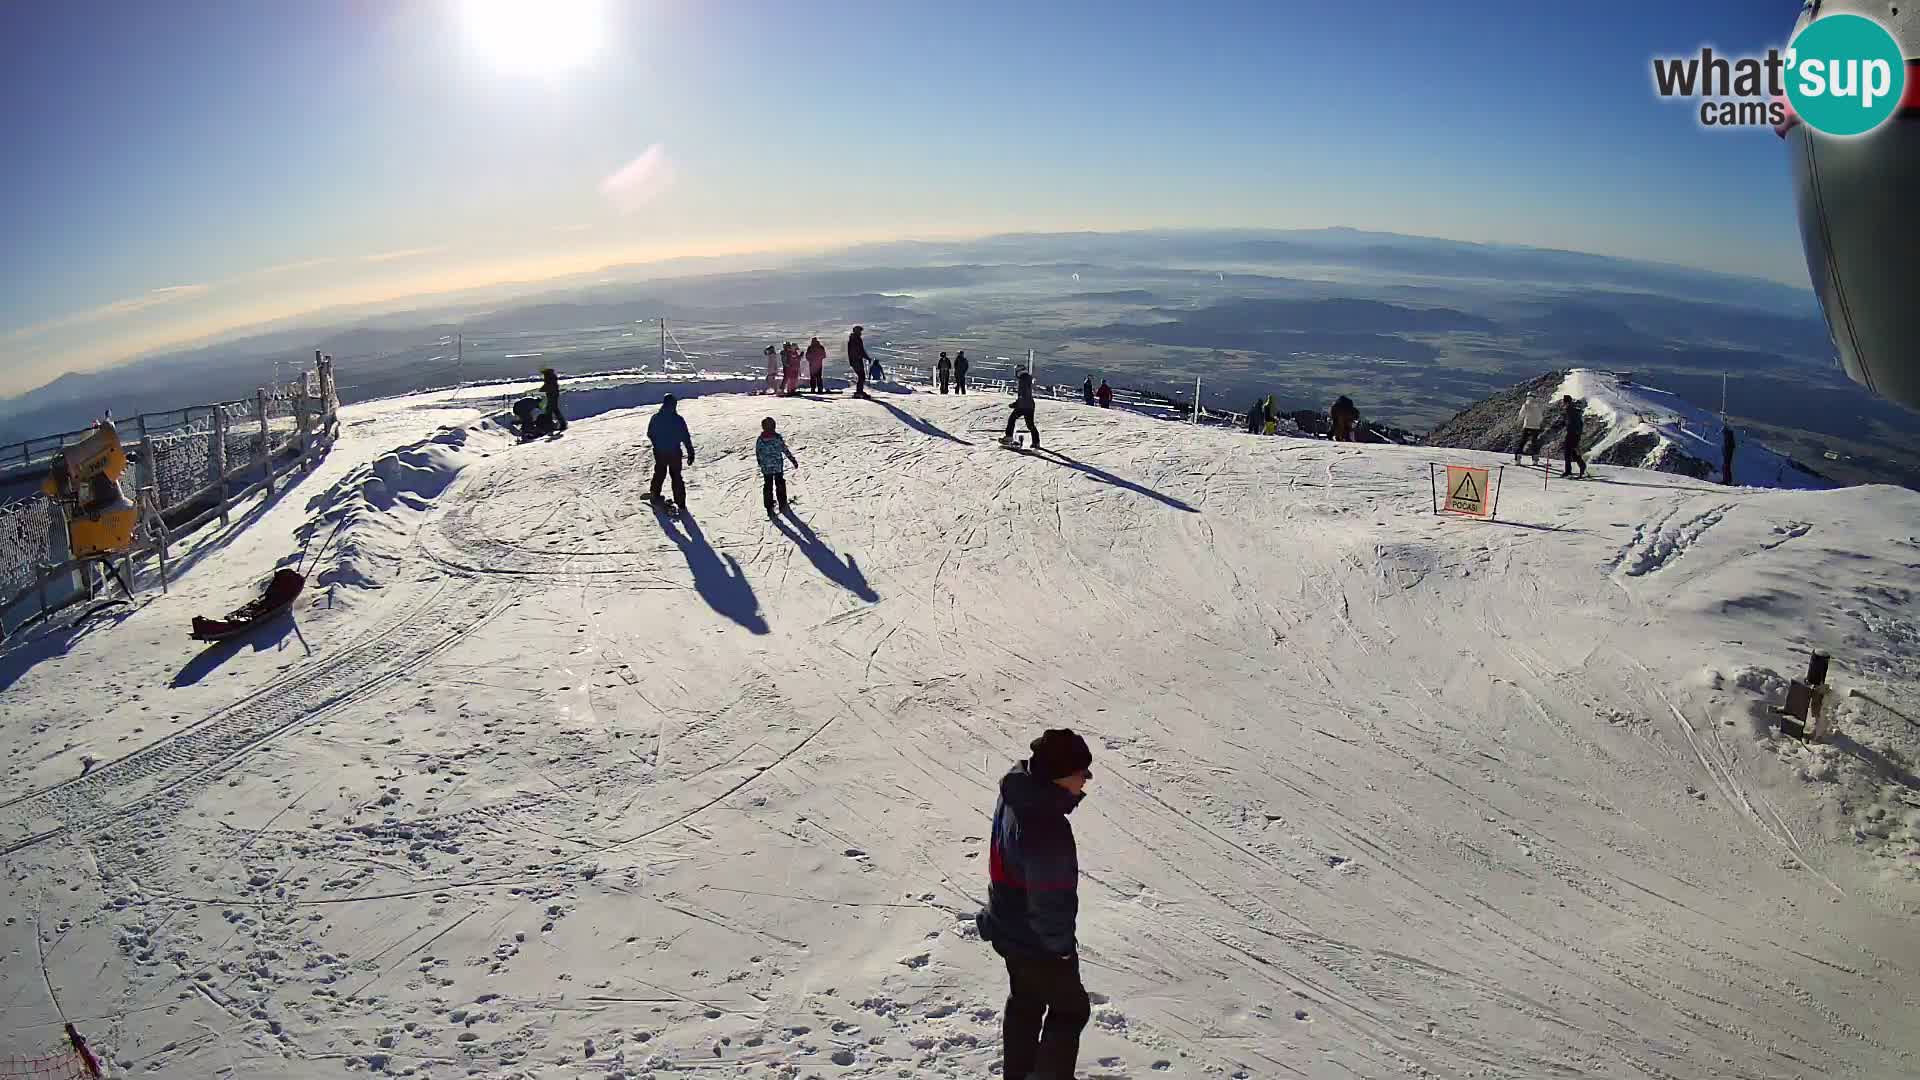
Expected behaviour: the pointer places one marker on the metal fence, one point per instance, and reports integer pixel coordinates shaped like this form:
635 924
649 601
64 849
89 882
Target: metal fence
186 466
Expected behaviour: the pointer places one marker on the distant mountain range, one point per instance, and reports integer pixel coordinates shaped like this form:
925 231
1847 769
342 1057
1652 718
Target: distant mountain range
1413 328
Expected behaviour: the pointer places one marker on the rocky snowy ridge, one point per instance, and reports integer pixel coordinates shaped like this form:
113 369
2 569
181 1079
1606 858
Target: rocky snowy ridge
1627 424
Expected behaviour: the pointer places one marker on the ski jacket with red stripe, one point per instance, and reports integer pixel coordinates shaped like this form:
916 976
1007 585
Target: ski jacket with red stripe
1033 869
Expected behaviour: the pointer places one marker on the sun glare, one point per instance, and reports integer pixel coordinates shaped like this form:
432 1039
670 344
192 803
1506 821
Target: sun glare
538 37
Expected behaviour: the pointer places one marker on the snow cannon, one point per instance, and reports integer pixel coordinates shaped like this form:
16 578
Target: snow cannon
86 481
1860 222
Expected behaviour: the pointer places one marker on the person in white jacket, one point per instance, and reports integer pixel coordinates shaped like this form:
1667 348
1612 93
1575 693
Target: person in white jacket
1533 420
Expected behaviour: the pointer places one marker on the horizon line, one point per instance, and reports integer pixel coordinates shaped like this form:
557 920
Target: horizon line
423 298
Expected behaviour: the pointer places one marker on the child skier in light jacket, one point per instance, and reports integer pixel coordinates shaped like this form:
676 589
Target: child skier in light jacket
770 450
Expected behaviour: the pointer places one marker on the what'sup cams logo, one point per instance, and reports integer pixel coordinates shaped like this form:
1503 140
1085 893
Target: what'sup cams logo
1841 74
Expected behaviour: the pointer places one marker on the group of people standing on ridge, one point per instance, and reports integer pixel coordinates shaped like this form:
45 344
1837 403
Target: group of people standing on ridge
952 371
783 366
1344 418
537 416
1102 397
783 373
1533 421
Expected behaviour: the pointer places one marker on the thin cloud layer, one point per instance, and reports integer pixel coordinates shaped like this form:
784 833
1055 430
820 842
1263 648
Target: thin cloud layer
640 181
118 309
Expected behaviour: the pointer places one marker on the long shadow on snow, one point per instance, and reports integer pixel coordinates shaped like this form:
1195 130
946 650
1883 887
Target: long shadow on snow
1106 477
210 659
1878 762
717 578
924 427
30 645
1651 487
847 575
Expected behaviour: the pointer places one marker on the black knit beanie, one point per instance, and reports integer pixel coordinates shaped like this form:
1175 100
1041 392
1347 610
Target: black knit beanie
1060 753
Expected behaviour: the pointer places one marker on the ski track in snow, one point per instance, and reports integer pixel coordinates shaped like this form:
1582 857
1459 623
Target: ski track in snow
565 790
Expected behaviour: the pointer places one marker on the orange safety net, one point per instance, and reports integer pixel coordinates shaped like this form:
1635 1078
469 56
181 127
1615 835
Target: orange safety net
71 1062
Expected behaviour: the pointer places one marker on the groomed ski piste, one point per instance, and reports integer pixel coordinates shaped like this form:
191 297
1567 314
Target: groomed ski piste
535 784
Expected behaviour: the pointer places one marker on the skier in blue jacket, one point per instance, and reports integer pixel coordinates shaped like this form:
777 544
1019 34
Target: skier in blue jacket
667 431
771 453
1032 900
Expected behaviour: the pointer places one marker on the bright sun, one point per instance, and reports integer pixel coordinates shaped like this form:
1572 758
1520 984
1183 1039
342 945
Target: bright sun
542 37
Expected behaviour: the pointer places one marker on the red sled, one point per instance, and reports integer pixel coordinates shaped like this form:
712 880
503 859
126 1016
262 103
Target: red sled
281 592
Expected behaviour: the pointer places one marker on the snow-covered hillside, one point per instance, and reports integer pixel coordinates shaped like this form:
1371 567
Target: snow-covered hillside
1627 423
538 785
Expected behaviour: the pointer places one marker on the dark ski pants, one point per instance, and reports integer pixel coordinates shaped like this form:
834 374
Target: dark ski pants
943 382
668 462
960 381
769 484
817 381
1022 409
1046 1008
1726 470
1570 451
553 410
859 379
1528 437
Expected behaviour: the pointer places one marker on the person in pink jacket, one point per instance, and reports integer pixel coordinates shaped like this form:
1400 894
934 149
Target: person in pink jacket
792 368
817 366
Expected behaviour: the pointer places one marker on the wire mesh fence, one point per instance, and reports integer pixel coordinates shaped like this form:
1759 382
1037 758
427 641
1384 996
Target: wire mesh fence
25 541
186 465
179 466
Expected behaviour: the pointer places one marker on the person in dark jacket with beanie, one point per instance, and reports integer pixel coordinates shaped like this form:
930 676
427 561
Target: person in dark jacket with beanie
1575 418
667 431
857 359
1022 409
550 386
1032 900
960 372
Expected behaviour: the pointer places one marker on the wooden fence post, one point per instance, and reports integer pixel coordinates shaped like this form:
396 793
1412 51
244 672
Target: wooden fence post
266 441
302 412
219 453
144 475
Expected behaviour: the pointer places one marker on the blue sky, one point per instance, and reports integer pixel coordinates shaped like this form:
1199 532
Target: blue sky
180 169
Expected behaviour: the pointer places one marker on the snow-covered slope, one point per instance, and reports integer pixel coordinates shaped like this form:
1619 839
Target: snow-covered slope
537 785
1626 424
